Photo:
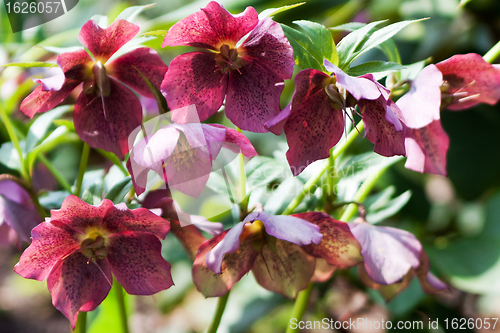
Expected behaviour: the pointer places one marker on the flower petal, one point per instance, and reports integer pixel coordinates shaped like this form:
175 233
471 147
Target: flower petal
390 291
289 228
322 271
106 122
429 283
338 246
52 241
138 173
150 152
383 128
136 262
193 78
234 266
78 285
388 253
426 149
20 218
286 270
211 27
253 96
79 215
74 64
471 79
126 69
228 242
103 43
313 126
358 87
236 141
421 105
276 124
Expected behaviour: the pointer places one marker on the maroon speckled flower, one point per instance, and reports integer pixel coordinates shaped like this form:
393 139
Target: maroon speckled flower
81 246
106 111
250 76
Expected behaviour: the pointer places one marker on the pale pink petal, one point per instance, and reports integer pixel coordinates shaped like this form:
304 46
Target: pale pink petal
193 78
237 142
126 69
358 87
108 128
78 285
150 152
228 243
103 43
286 270
136 262
138 173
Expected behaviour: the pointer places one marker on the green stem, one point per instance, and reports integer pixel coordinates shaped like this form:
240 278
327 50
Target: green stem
299 308
115 160
81 323
81 170
311 183
221 306
121 305
243 184
60 178
493 53
15 142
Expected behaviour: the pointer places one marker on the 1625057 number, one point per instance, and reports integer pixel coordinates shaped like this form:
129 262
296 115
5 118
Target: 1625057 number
32 7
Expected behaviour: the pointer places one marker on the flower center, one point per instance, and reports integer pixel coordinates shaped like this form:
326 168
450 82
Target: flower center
93 247
257 232
228 59
184 155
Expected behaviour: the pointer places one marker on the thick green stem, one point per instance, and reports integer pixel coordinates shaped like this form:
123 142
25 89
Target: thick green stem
493 53
57 175
15 142
299 308
243 184
81 322
311 183
121 305
81 170
221 306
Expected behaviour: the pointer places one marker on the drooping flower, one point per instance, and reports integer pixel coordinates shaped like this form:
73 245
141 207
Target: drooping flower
183 155
17 212
106 111
81 247
268 245
315 119
393 256
249 75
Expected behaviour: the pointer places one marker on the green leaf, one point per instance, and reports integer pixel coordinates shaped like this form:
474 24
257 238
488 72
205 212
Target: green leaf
159 98
351 26
30 64
270 12
375 66
9 156
282 196
265 174
301 45
93 195
119 191
60 50
67 123
323 40
378 212
156 33
41 125
131 13
391 51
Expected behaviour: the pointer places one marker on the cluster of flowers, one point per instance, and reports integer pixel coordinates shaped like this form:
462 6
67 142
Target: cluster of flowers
245 62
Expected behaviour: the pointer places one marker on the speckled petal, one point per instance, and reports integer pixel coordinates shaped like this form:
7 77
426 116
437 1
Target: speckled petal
75 65
338 246
52 241
236 141
102 43
234 266
193 78
426 149
110 127
79 215
286 270
253 96
388 253
145 60
136 263
78 285
211 27
313 126
358 87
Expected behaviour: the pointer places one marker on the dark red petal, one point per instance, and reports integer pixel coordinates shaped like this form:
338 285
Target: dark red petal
338 246
145 60
75 65
211 27
193 78
237 142
102 43
79 215
426 149
313 126
286 270
78 285
136 262
108 128
43 101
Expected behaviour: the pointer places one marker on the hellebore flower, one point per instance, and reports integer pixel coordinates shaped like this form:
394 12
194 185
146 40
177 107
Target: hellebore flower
268 245
183 155
249 75
316 115
81 246
17 212
106 111
393 256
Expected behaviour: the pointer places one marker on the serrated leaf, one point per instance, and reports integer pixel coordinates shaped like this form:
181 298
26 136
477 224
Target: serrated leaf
41 125
322 39
159 98
375 66
130 13
30 64
273 11
301 45
93 195
119 191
